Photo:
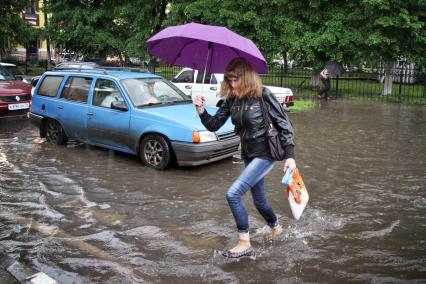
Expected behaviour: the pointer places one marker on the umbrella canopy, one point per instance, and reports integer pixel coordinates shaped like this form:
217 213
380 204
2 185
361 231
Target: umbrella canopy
204 47
334 67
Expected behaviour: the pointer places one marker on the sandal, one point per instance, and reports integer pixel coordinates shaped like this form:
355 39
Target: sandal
246 252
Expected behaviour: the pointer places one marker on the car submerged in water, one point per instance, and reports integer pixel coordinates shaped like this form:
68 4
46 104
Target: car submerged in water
134 112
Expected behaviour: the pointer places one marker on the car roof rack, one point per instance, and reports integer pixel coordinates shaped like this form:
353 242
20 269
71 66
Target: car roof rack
74 69
84 68
129 69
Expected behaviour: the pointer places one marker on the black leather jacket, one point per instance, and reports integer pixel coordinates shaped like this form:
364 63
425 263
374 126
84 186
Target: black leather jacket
247 117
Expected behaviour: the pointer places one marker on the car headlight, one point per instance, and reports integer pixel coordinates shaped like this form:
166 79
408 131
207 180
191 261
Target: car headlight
203 136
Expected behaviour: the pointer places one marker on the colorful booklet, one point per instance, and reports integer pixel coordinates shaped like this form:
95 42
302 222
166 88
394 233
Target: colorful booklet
296 191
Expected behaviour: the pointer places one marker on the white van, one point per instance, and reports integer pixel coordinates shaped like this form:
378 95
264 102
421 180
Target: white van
191 83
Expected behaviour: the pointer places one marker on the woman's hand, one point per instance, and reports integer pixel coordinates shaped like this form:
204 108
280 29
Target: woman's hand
289 164
199 104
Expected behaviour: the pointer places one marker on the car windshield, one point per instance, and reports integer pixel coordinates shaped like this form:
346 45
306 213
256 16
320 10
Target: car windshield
5 75
13 70
152 91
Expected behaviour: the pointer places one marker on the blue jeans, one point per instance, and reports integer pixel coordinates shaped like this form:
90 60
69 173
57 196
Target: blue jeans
251 179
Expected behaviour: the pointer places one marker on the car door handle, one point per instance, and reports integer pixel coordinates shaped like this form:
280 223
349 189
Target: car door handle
188 87
60 107
90 113
213 88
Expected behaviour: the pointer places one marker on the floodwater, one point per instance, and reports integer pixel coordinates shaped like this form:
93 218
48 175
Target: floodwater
83 214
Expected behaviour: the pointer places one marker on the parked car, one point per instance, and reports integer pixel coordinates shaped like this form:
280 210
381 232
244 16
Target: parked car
191 83
134 112
15 95
16 72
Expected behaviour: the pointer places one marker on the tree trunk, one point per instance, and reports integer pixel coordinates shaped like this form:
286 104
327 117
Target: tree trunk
388 78
49 61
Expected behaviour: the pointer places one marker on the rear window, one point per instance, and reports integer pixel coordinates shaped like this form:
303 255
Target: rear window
77 89
50 86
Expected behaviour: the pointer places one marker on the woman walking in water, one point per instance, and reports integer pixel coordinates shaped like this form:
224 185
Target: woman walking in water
243 93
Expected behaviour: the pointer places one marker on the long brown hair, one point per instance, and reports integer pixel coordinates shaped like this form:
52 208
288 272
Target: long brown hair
249 83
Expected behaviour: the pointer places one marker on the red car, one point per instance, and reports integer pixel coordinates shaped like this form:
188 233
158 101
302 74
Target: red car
15 95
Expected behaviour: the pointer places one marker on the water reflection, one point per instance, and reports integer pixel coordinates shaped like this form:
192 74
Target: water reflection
83 214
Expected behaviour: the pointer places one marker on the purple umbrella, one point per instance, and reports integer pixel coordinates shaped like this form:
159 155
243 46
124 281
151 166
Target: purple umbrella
204 47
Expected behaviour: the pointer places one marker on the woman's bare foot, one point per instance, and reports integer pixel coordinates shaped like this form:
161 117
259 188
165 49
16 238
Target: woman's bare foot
276 231
241 246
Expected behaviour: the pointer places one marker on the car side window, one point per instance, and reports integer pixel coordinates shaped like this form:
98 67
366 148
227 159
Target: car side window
200 78
213 80
50 86
185 77
77 89
106 91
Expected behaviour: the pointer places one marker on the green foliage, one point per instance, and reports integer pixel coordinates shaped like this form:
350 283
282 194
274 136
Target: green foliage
98 28
311 32
316 31
13 29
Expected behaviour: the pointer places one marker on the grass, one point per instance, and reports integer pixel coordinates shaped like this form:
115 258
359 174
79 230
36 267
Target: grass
301 105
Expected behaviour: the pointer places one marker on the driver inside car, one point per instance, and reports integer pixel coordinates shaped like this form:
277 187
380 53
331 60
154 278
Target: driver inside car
114 96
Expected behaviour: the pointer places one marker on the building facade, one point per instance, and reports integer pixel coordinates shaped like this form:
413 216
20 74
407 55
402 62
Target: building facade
37 49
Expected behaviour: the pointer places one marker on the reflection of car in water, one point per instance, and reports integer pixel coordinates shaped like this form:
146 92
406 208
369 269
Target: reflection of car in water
191 83
113 109
15 95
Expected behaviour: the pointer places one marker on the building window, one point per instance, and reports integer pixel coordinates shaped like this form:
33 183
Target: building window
30 13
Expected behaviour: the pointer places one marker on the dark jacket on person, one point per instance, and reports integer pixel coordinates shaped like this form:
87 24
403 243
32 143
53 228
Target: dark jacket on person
246 115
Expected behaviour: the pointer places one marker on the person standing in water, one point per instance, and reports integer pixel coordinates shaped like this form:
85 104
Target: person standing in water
242 90
325 77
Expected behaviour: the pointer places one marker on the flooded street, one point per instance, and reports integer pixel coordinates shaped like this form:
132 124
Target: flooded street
83 214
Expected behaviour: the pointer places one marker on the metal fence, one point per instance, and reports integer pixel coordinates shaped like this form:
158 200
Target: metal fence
408 82
408 86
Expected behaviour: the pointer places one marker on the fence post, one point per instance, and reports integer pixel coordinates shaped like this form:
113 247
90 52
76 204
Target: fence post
424 84
401 74
337 85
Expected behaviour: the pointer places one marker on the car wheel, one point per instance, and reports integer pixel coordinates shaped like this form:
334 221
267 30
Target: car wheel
155 152
55 133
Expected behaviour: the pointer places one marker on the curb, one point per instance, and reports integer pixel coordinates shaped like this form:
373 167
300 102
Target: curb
14 272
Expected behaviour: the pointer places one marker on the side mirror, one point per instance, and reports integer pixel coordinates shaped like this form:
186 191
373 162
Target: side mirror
174 80
20 78
119 105
34 81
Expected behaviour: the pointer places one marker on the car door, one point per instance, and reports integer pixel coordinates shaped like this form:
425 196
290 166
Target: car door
107 126
210 89
72 106
185 81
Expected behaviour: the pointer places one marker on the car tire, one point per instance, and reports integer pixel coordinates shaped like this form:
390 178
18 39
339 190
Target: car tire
55 133
155 152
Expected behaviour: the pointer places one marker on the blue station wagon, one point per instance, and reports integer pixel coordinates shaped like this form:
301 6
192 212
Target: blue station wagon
134 112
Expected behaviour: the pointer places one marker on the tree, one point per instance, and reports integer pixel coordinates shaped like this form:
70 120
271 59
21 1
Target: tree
259 20
97 28
393 30
13 29
317 31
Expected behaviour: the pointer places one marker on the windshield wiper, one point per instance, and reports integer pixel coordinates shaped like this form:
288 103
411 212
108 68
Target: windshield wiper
182 102
152 104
